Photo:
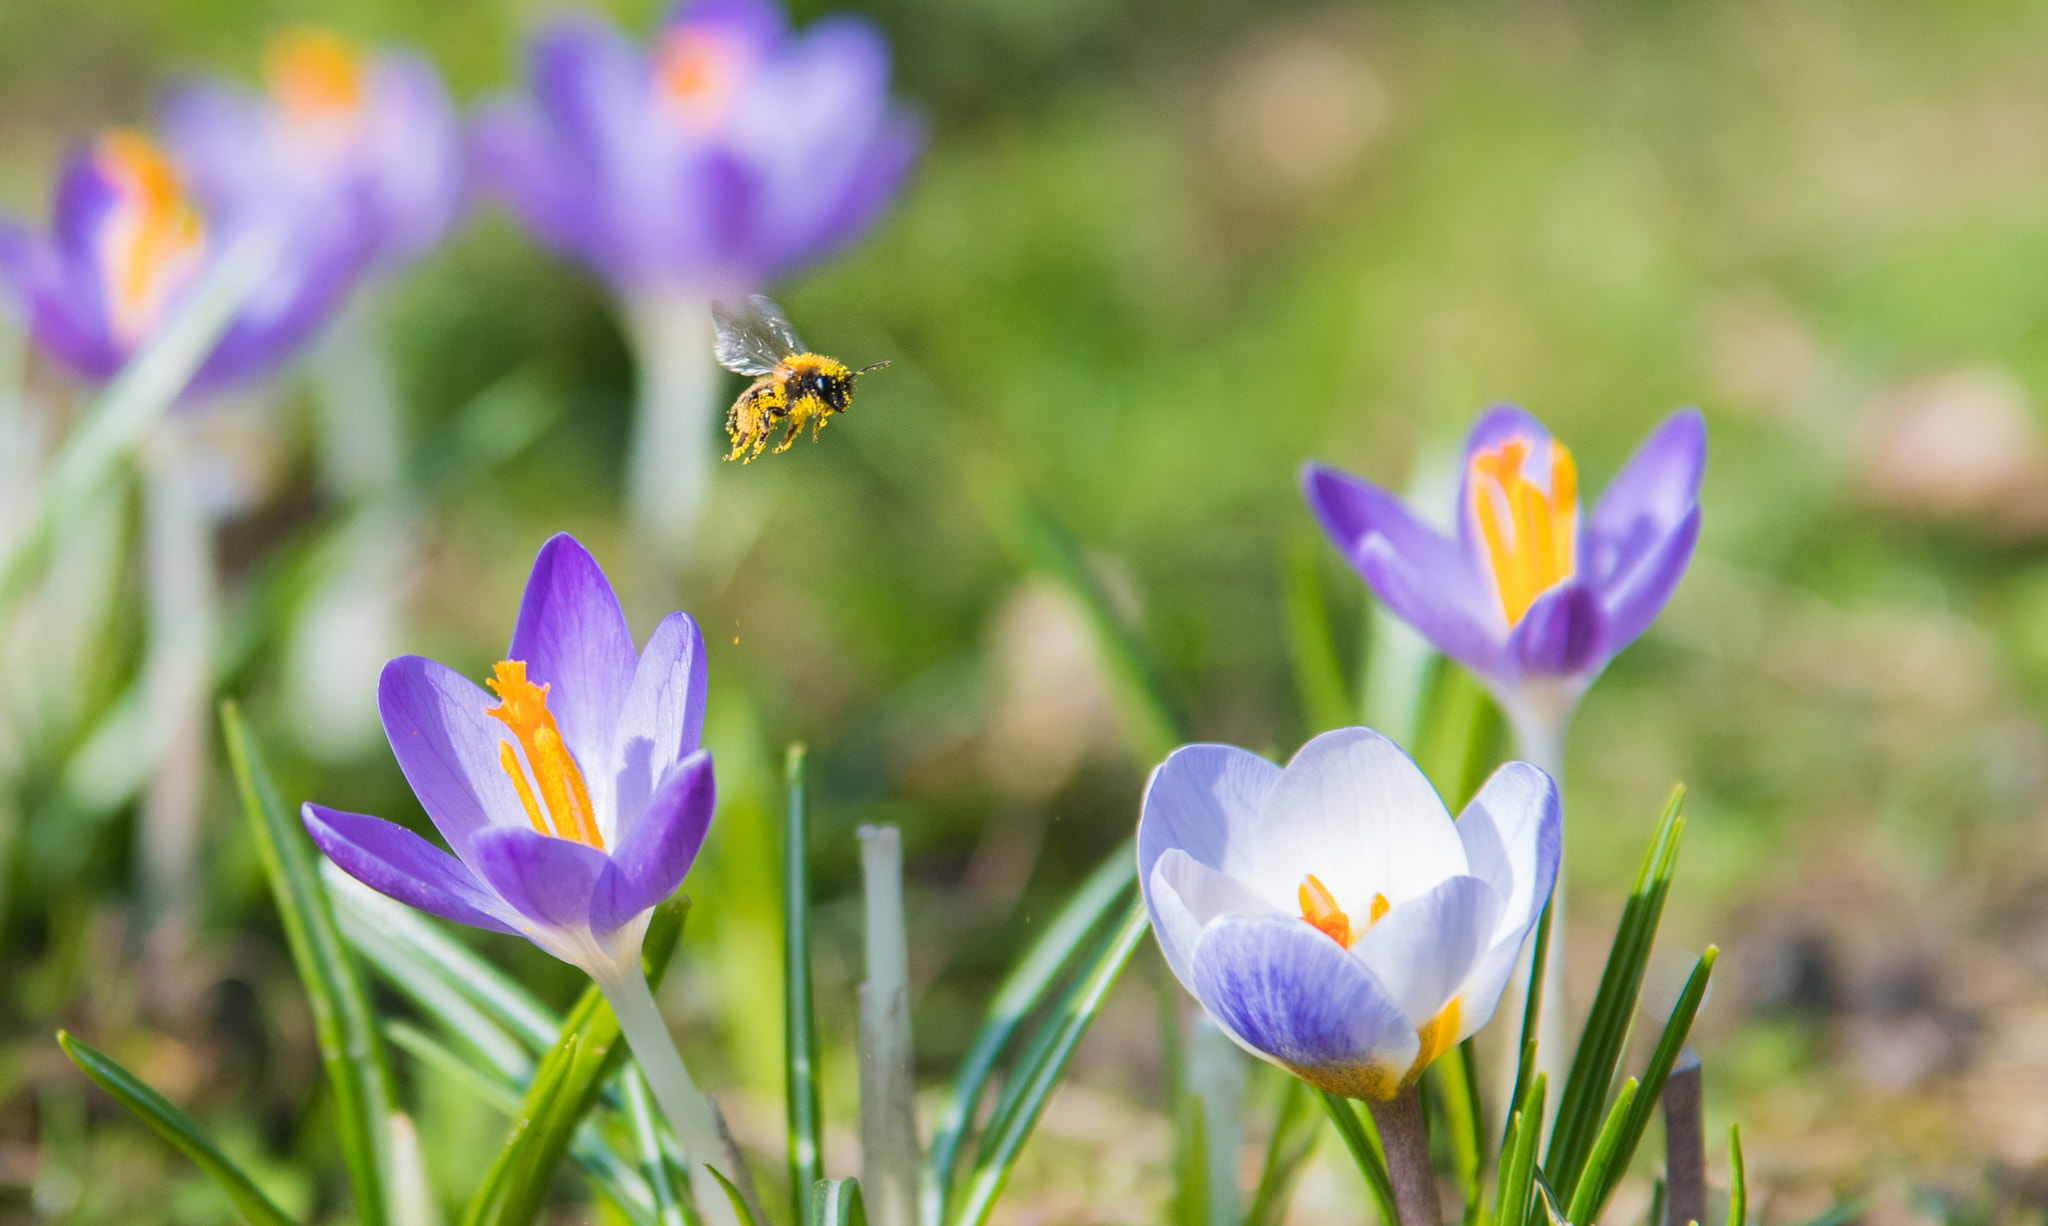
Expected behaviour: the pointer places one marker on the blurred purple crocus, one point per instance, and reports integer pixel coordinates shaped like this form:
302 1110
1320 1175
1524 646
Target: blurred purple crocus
1531 596
574 800
1330 915
727 154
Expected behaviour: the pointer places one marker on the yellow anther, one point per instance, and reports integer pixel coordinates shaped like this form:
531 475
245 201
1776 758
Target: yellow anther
1437 1036
314 75
1380 906
523 707
152 238
696 75
1531 533
1319 907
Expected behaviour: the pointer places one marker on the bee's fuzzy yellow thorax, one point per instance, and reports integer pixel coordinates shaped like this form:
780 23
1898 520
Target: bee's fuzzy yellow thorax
816 364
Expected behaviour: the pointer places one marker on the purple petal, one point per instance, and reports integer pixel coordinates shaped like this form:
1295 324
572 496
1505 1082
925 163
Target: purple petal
1205 801
1495 426
1647 501
448 748
1421 951
399 864
1428 581
1294 995
1183 896
549 881
572 635
662 718
412 157
1563 632
519 158
1512 836
760 23
1635 599
656 853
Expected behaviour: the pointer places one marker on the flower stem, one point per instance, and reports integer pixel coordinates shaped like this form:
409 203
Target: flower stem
1685 1143
1539 740
1406 1142
670 461
890 1155
688 1112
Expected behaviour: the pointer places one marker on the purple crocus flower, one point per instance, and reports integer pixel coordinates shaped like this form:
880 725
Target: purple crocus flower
731 152
1531 596
1331 916
127 241
347 148
574 800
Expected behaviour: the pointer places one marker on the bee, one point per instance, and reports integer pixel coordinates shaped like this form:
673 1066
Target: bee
792 387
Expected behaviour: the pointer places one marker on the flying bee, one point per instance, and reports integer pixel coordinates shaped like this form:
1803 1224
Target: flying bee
792 387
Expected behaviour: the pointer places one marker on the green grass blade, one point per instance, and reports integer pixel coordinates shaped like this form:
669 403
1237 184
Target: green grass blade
1318 674
1582 1109
1363 1140
1532 1009
351 1046
1296 1129
1676 1028
1841 1213
1456 746
176 1127
1457 1100
837 1202
565 1086
1602 1160
1157 722
1518 1172
641 1114
489 1086
1738 1184
122 415
423 960
986 1180
740 1207
1018 997
799 1022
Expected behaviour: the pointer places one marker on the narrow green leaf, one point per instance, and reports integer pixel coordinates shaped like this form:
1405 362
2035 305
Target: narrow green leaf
1738 1185
1019 996
799 1023
564 1087
489 1086
1296 1129
1841 1212
837 1202
351 1046
1676 1028
1318 675
641 1114
176 1127
740 1207
1656 1215
1518 1171
1460 727
1603 1156
1158 722
1363 1140
987 1178
1456 1098
1532 1007
1582 1109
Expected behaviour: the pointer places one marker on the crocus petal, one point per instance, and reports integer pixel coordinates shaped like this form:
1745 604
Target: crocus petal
1290 994
1359 814
1422 950
1636 596
549 881
1647 500
1564 632
412 155
1511 836
448 748
1204 800
1495 426
399 864
662 717
572 634
655 854
1183 896
1427 580
759 23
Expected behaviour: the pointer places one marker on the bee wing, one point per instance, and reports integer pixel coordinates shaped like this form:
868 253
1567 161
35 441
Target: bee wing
752 339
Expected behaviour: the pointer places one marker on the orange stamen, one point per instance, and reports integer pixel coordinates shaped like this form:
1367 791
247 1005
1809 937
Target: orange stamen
314 75
1319 907
1380 906
508 759
523 707
1531 533
696 74
152 239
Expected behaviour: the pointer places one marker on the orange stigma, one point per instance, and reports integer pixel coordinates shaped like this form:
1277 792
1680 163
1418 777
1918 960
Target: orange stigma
696 74
1319 907
315 76
523 707
153 237
1531 533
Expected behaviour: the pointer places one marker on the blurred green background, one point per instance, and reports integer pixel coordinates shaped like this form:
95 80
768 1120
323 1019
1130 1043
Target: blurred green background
1156 255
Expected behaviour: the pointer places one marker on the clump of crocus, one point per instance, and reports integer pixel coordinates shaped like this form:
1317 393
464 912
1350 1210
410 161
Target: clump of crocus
729 153
1334 920
1532 595
573 796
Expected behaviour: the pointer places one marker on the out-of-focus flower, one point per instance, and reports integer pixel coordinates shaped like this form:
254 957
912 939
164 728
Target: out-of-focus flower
1532 596
732 152
1331 916
574 801
361 151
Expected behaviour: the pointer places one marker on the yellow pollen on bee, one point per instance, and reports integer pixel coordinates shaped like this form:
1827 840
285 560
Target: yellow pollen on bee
1531 534
315 76
152 239
523 707
1319 907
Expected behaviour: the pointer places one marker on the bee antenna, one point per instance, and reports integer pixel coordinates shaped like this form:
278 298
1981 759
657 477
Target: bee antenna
870 366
